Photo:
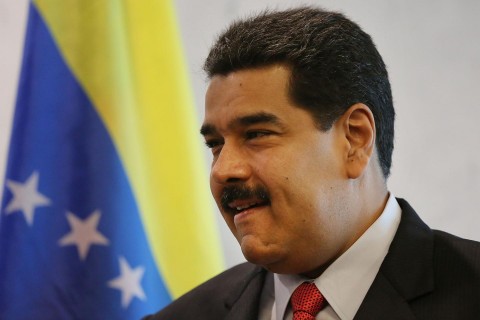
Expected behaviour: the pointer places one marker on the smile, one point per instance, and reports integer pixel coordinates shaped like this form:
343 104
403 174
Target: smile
236 199
242 205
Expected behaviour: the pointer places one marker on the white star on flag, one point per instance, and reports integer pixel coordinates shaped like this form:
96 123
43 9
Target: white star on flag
84 233
128 282
26 197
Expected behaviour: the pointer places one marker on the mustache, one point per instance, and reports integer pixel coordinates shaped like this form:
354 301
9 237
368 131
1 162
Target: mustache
240 192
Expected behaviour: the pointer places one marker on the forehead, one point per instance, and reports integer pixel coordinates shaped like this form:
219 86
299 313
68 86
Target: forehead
264 81
245 92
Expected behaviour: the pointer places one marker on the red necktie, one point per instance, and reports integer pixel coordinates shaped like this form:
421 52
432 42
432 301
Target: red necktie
306 301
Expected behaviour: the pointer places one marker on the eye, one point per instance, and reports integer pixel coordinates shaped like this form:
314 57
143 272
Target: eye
256 134
213 143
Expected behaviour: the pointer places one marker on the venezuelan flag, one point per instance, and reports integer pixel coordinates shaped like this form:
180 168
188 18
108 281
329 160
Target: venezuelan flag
106 211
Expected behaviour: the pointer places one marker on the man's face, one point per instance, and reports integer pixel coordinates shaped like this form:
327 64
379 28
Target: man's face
276 178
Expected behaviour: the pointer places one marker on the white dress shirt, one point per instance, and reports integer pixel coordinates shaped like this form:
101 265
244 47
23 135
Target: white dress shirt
346 281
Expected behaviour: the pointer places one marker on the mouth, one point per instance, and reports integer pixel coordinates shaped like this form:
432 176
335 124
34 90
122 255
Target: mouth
239 206
237 199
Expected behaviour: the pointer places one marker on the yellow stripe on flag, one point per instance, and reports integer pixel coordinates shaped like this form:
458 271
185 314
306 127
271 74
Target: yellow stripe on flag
127 56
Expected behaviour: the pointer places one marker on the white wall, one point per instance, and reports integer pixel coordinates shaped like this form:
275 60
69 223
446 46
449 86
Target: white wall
13 15
432 52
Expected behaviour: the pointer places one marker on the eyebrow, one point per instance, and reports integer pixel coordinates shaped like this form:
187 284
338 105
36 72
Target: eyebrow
251 119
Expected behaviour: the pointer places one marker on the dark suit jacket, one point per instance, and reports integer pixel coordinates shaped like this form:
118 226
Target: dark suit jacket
425 275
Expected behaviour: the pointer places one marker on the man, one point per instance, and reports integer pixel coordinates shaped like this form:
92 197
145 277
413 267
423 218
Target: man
299 118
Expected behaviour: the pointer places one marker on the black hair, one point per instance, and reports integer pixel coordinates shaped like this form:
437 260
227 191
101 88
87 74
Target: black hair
334 64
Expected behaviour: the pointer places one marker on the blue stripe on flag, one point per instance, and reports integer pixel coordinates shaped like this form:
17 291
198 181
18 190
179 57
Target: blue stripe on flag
63 168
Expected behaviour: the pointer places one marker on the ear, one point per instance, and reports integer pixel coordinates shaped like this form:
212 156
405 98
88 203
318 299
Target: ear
359 128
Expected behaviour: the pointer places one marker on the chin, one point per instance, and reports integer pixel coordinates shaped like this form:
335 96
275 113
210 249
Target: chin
268 256
276 259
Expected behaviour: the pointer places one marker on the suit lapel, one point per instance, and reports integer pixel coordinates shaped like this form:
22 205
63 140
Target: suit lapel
406 272
383 302
244 302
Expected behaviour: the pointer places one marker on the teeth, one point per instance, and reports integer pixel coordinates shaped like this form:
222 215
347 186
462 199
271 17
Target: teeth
244 207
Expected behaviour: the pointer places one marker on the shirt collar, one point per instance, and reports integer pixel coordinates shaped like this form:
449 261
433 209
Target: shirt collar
346 281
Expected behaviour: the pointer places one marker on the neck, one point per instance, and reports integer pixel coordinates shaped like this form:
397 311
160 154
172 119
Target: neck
372 206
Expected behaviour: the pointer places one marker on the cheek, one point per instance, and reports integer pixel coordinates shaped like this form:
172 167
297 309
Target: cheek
309 196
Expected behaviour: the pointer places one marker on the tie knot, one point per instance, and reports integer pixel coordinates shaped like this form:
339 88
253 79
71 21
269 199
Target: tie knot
306 301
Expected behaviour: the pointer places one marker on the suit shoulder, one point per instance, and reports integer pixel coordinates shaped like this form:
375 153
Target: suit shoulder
456 271
207 301
448 244
455 251
457 259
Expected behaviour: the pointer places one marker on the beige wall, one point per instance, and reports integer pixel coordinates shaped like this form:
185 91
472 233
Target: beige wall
432 52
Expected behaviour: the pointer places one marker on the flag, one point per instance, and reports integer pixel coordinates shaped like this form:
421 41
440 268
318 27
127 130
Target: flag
106 212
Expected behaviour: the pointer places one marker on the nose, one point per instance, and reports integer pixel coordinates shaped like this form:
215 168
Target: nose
230 166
